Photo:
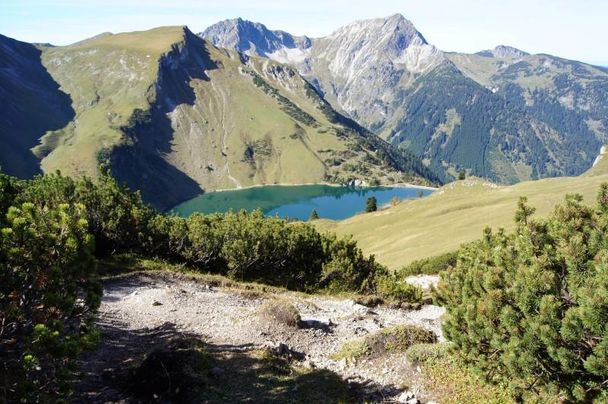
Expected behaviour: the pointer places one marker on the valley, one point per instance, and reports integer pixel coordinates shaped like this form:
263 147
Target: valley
173 116
297 202
246 215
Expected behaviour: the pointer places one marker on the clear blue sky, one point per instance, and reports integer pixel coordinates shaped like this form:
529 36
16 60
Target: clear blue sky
574 29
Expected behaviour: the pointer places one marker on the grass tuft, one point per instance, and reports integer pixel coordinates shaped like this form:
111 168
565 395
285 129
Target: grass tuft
280 312
393 339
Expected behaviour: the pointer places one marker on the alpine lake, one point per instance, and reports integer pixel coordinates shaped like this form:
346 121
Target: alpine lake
296 202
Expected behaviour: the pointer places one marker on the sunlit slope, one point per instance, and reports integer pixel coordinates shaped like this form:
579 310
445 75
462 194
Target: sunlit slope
107 78
457 213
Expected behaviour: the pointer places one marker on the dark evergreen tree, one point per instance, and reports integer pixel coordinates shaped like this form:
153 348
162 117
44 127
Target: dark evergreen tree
313 215
372 204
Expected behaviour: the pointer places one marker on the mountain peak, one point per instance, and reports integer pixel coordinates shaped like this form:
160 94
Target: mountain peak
252 38
504 51
375 42
395 23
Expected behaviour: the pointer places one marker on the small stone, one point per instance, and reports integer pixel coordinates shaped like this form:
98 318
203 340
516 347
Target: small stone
408 397
157 303
308 364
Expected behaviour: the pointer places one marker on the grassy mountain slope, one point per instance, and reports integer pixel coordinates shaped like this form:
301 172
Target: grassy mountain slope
174 116
243 121
32 103
457 213
108 78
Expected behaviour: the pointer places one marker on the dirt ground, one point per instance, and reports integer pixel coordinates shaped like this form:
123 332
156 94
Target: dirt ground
140 311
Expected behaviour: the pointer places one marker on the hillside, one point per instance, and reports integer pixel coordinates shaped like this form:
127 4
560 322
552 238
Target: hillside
173 116
501 114
456 213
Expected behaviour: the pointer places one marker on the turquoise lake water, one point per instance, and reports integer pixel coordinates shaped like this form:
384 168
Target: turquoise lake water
296 202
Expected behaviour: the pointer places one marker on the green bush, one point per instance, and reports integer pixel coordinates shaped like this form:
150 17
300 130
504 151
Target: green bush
371 205
390 287
347 269
530 308
429 266
116 217
250 247
9 189
48 295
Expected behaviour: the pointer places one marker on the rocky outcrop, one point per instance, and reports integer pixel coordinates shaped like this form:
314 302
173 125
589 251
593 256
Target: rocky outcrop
502 51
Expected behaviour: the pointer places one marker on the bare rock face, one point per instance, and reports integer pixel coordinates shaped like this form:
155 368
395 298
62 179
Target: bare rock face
254 39
356 67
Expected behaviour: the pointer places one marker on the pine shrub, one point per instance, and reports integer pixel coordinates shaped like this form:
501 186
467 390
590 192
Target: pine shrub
48 295
530 308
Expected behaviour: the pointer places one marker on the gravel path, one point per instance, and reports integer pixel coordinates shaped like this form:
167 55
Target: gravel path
228 318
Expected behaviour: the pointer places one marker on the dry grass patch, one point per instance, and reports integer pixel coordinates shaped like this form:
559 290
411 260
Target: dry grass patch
448 380
280 311
455 214
392 339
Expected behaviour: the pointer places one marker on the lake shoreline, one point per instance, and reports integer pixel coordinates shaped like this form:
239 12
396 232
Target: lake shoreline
331 201
329 184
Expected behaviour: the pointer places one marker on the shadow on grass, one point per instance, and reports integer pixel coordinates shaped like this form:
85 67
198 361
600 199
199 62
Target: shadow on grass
165 365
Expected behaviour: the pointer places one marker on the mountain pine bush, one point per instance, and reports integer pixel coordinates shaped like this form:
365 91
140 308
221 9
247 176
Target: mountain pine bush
530 308
52 229
48 294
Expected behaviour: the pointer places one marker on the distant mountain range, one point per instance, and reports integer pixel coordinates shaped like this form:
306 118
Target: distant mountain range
502 114
173 116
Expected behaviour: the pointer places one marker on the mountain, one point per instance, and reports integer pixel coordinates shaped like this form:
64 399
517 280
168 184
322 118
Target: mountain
173 115
255 39
352 68
502 114
503 51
